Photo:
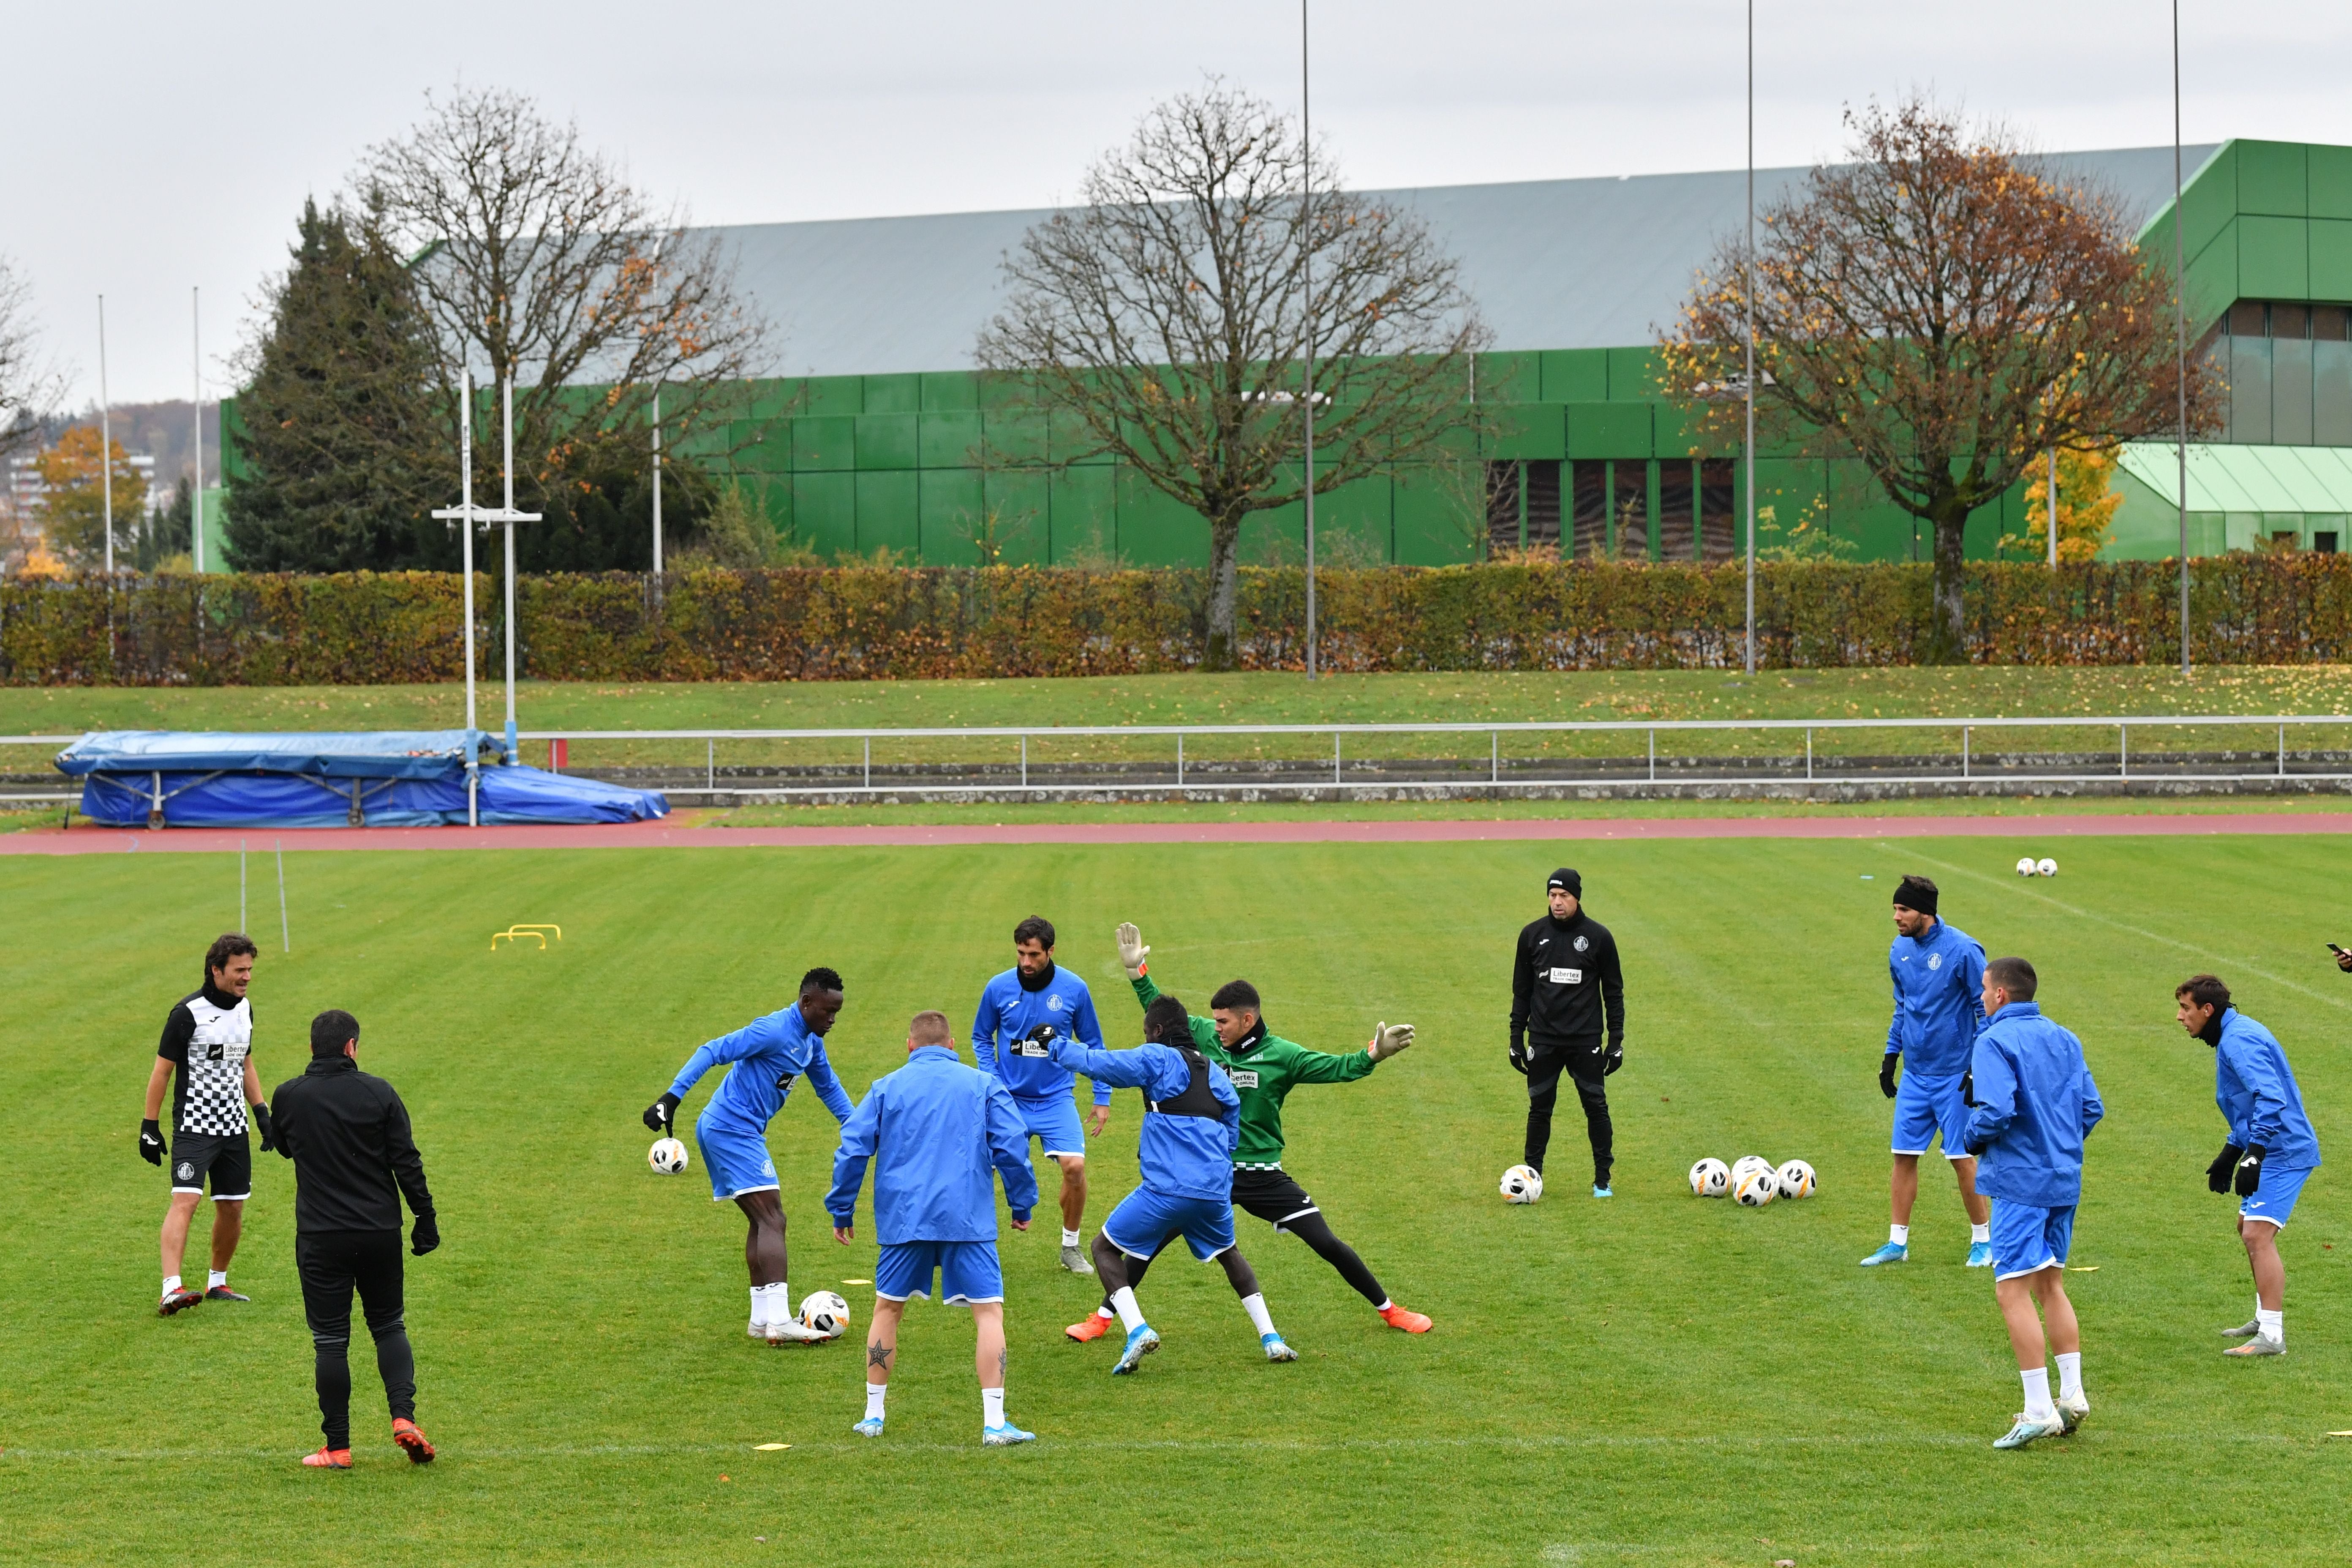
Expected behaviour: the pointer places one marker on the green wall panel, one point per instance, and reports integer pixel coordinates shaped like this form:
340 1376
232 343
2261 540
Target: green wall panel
949 504
886 440
1014 437
1610 429
949 389
1068 439
948 439
1018 503
1155 529
1633 375
1509 377
2330 180
2331 259
1083 515
773 399
2213 280
833 394
2274 258
824 443
2272 178
1435 521
893 394
888 512
824 512
1575 376
1529 430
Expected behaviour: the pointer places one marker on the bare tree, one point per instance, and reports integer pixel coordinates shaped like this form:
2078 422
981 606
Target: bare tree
30 383
536 257
1168 317
1946 309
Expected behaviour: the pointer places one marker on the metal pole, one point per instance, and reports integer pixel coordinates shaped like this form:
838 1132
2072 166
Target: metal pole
1306 287
1495 757
240 885
1964 751
2281 751
197 486
869 761
2181 333
1809 756
507 416
1748 304
2050 509
466 535
1024 761
657 471
105 440
2122 751
1653 756
1335 756
1179 761
285 928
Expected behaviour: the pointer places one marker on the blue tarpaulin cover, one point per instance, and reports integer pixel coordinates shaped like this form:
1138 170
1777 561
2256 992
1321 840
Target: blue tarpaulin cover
393 779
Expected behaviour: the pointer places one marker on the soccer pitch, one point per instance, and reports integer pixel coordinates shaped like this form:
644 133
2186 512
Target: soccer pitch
1656 1379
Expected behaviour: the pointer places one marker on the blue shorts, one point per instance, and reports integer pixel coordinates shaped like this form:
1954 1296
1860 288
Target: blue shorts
1054 1123
1924 1107
2028 1238
2274 1201
1145 1218
738 1162
969 1272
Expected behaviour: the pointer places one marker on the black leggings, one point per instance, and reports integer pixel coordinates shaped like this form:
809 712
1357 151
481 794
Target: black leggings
333 1263
1546 1064
1309 1228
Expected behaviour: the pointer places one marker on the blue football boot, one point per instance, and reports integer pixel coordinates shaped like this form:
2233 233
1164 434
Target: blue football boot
1981 1254
1141 1342
1893 1252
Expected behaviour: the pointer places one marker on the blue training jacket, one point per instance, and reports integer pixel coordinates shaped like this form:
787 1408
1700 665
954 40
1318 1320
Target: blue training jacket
937 1132
2034 1105
767 1054
1008 1014
2256 1092
1182 1156
1938 1001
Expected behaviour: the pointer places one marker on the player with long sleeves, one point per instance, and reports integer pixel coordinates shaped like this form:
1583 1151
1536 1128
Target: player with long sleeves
763 1059
1568 1018
938 1134
2033 1105
1937 970
1022 1010
1264 1068
1191 1124
2271 1153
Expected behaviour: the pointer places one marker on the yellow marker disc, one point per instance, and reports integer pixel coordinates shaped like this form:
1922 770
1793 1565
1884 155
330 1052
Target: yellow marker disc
857 1282
770 1447
2082 1269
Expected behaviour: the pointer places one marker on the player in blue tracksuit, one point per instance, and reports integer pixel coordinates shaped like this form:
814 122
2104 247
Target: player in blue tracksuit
938 1132
1191 1124
1022 1012
2033 1103
2271 1153
764 1056
1937 970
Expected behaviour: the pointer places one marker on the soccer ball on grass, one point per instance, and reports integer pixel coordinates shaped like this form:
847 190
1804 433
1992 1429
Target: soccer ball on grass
2045 867
1745 1164
1757 1188
668 1156
1710 1178
1795 1180
2026 866
825 1312
1522 1185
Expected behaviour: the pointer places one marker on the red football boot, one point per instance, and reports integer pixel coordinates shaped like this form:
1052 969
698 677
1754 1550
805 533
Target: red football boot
1093 1326
412 1442
328 1459
1396 1317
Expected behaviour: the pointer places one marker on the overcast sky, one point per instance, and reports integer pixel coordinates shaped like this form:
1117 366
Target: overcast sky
147 148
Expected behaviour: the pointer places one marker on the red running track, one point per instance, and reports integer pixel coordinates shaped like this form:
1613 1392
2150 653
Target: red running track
88 840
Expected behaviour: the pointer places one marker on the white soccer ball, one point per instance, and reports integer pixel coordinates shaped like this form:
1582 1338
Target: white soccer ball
2046 867
668 1156
825 1312
1747 1164
1522 1185
1710 1178
1795 1180
1757 1188
2026 866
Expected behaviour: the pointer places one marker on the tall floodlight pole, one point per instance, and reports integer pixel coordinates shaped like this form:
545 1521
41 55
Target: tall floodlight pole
658 468
2180 334
1748 301
2050 509
105 441
1307 288
197 429
506 417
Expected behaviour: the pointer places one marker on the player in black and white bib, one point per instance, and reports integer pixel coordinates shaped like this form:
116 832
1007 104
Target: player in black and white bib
206 1056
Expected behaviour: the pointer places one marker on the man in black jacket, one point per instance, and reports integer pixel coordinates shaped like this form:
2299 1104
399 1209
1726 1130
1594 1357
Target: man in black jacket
347 1133
1566 989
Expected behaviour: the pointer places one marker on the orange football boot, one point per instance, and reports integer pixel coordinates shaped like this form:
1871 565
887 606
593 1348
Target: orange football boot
328 1459
412 1442
1396 1317
1093 1326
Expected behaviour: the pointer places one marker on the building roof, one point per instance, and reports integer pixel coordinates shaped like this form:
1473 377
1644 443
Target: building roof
1553 264
2228 479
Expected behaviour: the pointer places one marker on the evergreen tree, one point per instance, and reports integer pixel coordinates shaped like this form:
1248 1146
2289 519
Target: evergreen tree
337 434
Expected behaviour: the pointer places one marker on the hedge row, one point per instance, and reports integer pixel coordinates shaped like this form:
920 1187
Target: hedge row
861 624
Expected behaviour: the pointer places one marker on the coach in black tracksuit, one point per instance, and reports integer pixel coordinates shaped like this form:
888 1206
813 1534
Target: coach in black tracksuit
347 1133
1565 991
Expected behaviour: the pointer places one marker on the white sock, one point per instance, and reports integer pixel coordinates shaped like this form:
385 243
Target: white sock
2070 1373
759 1303
2273 1325
1384 1306
1900 1235
1130 1313
1981 1232
771 1304
1255 1307
219 1276
2037 1395
1070 1238
171 1283
875 1394
991 1406
1105 1313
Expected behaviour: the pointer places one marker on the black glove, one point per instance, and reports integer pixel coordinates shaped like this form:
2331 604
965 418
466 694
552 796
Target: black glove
1886 1075
2249 1172
150 1142
425 1236
2217 1174
264 1125
1968 1090
1976 1148
1519 1058
661 1116
1614 1059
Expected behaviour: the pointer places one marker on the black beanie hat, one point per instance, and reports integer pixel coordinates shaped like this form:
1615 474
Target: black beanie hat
1565 878
1917 893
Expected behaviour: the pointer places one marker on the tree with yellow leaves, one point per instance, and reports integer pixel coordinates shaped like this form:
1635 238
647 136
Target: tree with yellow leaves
72 509
2088 500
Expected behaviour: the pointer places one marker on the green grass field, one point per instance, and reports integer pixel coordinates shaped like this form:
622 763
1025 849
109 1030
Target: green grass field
1651 1380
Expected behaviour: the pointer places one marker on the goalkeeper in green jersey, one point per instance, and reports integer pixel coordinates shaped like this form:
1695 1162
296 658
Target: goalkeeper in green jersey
1264 1068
